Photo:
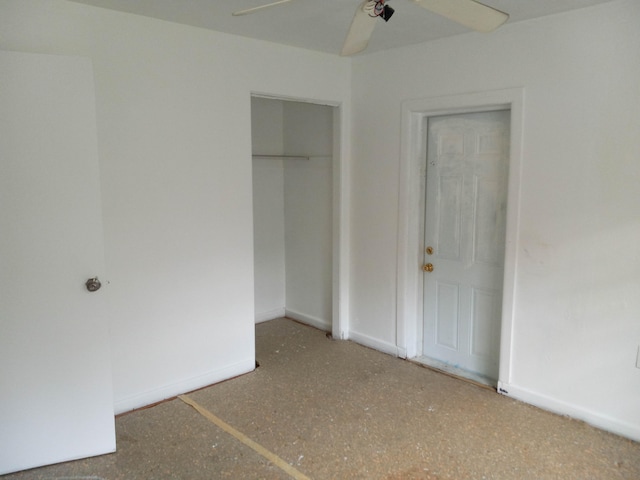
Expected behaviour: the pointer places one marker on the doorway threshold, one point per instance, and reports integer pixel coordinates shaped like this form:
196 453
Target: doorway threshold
456 372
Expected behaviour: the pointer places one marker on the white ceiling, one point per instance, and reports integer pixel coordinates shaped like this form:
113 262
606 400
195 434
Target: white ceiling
322 24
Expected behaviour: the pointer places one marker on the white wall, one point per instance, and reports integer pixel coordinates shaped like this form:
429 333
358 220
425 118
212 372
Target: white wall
308 197
577 313
293 222
174 141
268 208
308 232
268 241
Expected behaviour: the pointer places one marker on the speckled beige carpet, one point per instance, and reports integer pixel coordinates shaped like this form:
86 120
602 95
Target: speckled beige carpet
336 410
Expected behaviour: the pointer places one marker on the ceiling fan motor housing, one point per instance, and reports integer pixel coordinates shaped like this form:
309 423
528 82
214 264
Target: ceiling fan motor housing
380 9
387 11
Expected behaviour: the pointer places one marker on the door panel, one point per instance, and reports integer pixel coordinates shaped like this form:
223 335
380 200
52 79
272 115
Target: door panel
450 195
487 248
467 163
484 342
448 300
55 374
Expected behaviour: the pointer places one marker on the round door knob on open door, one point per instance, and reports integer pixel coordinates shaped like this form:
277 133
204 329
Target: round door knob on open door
427 267
93 284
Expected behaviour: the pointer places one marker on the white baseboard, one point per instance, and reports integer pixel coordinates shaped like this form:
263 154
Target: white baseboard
309 320
595 419
149 397
270 315
385 347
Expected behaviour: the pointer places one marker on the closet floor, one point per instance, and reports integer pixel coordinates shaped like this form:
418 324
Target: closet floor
323 409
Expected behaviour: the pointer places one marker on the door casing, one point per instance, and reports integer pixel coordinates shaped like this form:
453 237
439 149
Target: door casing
415 114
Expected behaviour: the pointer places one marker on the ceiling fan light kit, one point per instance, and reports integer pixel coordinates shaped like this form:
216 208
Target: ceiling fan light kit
471 14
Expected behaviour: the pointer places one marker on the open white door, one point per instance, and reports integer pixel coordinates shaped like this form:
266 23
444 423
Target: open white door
56 401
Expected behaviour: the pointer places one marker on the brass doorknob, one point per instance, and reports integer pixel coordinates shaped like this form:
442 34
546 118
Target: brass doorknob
427 267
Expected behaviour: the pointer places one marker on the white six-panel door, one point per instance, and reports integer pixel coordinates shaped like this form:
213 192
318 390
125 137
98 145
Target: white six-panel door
465 212
56 400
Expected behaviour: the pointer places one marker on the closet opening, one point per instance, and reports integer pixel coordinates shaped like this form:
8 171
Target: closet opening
293 152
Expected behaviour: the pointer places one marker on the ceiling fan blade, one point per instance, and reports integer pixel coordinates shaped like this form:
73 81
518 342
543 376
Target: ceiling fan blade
469 13
360 31
255 9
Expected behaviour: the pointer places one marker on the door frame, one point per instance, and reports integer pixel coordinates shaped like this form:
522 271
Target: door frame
415 115
340 209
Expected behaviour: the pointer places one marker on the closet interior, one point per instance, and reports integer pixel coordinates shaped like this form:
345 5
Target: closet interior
292 147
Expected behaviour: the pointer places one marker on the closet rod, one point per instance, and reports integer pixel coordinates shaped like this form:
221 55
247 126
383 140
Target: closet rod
305 157
281 156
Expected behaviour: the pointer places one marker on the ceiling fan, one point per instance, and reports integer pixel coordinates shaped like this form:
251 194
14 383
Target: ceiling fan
469 13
